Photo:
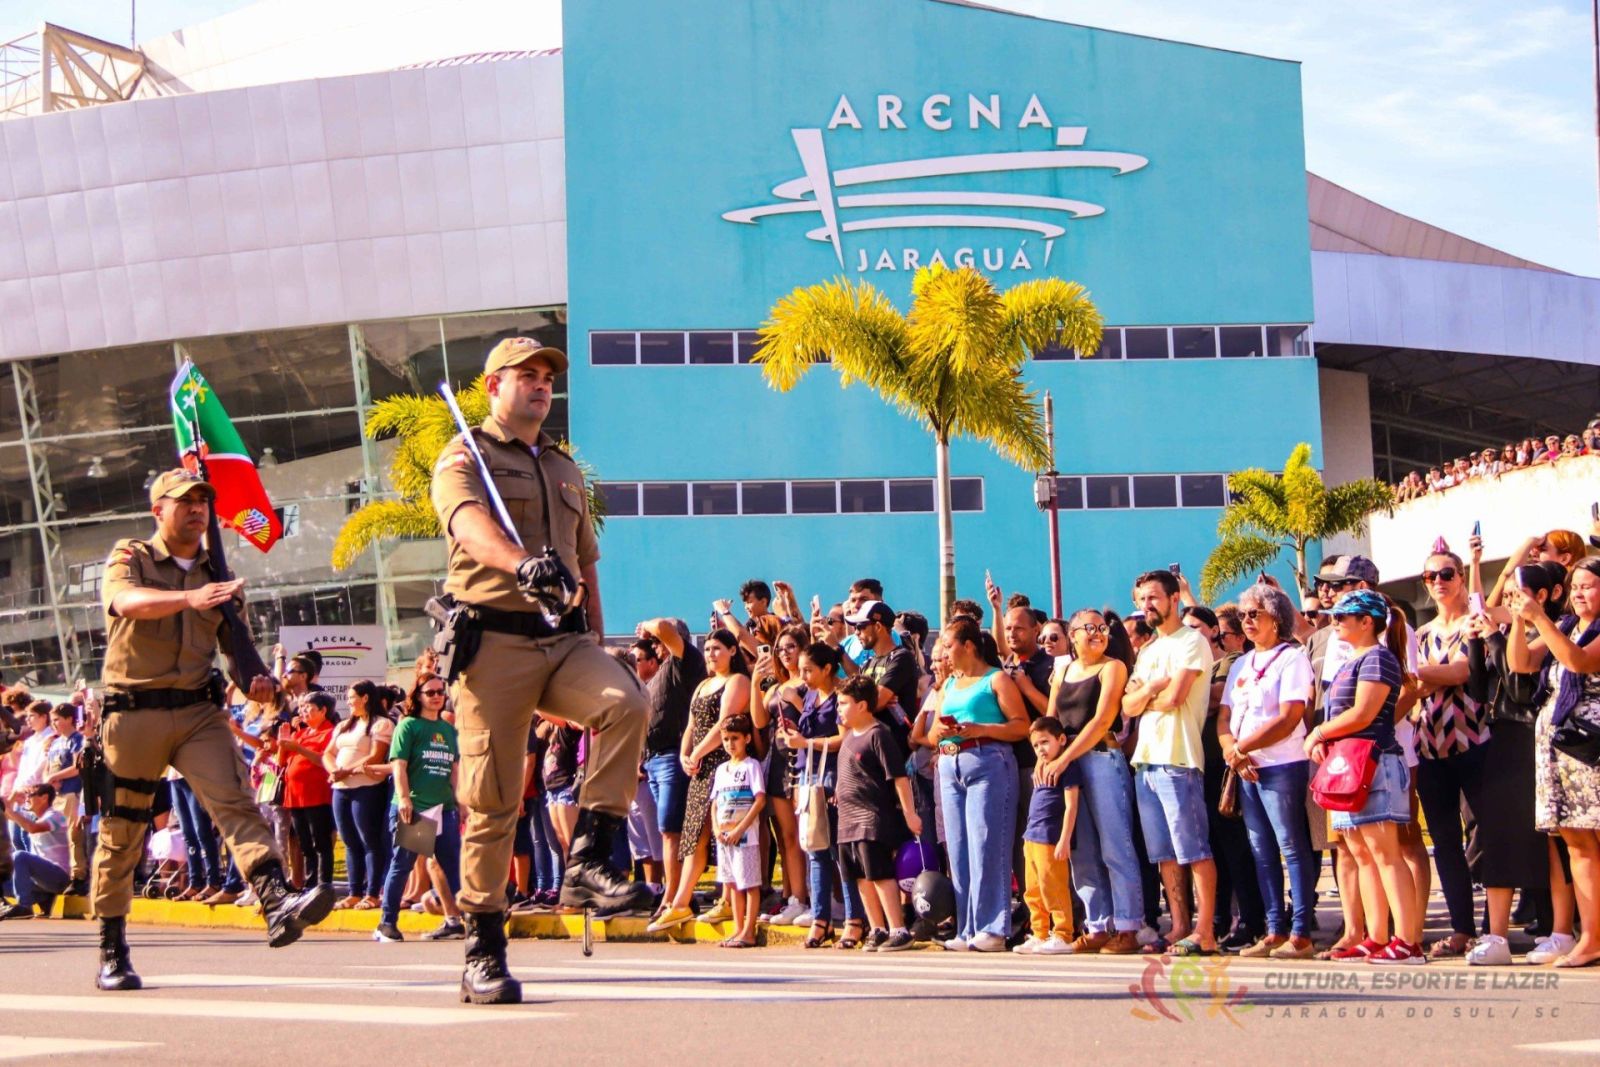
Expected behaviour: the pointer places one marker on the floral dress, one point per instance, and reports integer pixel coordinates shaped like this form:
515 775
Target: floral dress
704 712
1567 792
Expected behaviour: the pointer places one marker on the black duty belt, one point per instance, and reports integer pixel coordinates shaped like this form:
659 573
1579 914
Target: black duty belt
527 623
162 699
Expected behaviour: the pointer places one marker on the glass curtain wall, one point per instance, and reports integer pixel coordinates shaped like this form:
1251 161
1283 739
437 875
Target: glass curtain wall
82 434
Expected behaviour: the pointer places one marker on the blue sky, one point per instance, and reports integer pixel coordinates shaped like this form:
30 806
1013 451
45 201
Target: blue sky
1474 115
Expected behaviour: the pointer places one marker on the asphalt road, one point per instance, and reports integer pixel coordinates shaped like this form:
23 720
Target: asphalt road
224 997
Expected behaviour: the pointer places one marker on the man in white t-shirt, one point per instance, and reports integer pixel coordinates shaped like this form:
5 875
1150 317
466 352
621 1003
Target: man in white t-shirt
1168 694
42 873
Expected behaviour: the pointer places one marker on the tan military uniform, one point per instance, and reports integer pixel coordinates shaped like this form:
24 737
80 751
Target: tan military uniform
566 675
175 652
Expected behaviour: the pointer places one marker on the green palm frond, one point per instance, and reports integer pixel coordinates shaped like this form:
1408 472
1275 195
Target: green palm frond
1002 411
849 323
1045 312
383 520
1259 502
1233 559
1351 504
955 323
1305 497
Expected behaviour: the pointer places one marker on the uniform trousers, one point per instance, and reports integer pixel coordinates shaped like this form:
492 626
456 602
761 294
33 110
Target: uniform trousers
570 677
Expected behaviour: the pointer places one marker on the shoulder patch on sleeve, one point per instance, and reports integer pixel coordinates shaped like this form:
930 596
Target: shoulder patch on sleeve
451 458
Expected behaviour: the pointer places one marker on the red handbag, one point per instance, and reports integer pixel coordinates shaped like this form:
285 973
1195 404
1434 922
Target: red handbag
1345 776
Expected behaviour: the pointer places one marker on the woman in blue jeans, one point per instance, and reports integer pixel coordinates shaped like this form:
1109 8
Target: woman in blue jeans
357 762
980 713
810 729
1262 731
209 881
1086 695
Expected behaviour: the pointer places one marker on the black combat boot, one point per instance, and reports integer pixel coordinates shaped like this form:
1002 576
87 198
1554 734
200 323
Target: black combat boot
288 913
590 881
116 972
487 980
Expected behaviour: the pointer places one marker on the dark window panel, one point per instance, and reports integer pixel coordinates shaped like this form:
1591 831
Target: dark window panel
966 494
716 498
1146 343
661 349
766 498
1155 491
1204 490
815 498
1240 342
861 496
1110 345
1053 352
749 341
666 498
1194 342
1288 340
912 494
621 498
1106 492
711 347
1069 494
613 349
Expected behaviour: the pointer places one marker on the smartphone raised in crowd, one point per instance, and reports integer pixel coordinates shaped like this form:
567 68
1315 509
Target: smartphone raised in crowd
1477 528
1174 568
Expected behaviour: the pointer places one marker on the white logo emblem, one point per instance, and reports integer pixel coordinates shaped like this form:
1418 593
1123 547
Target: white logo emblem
816 192
1338 765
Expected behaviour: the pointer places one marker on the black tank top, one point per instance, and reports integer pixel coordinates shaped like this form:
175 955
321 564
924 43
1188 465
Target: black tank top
1076 704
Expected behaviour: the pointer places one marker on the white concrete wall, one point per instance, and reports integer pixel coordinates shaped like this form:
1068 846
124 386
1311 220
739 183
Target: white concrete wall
366 197
1346 441
1530 501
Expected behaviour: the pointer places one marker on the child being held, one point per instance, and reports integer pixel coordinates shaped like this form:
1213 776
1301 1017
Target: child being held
871 776
738 794
1047 846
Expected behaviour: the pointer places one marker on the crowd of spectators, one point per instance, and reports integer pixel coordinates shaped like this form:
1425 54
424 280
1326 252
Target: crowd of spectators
1088 784
1496 463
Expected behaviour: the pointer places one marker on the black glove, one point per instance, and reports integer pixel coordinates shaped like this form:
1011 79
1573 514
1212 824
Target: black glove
545 580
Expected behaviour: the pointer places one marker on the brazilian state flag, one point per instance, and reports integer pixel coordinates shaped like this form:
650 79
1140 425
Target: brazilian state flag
205 431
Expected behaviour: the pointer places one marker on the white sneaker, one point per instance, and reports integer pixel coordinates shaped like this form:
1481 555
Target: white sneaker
987 942
1552 948
1053 946
955 944
805 918
1028 947
1490 950
247 899
1147 935
788 915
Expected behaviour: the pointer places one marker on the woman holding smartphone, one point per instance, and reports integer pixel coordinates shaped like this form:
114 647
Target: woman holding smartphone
778 694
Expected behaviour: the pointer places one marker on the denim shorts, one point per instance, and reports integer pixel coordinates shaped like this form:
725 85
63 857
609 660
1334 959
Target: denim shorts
1389 799
1172 810
669 786
563 798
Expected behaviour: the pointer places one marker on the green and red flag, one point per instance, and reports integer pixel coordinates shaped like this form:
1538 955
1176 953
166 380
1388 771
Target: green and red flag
206 434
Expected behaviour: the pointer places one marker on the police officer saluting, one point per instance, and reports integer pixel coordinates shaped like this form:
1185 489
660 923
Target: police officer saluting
162 707
535 650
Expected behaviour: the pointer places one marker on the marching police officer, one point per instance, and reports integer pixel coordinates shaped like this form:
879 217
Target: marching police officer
533 652
162 707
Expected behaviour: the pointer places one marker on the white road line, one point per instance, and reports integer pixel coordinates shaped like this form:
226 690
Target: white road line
13 1047
1591 1046
330 1012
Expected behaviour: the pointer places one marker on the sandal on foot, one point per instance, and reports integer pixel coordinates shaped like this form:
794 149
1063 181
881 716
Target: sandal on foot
1190 946
854 931
1158 947
1452 947
734 942
820 932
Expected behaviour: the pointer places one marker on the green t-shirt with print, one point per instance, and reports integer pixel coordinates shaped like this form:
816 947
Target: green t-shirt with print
429 748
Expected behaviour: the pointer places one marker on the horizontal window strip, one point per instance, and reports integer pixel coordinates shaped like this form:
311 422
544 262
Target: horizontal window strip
1117 492
809 496
677 348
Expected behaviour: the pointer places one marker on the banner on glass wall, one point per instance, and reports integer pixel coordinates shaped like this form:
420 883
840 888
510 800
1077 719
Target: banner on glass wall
349 653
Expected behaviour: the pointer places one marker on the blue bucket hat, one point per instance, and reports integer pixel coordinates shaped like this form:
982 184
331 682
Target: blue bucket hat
1362 602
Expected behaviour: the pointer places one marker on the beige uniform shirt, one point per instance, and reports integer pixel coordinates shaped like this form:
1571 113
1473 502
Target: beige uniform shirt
176 652
517 475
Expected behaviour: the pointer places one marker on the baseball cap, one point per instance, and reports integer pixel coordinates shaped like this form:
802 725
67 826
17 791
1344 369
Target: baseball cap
515 351
1362 602
872 611
1350 569
178 481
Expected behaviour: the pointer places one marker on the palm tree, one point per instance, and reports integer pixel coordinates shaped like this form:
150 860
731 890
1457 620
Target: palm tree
954 363
424 427
1271 512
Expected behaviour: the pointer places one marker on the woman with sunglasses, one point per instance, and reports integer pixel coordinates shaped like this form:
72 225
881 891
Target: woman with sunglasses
1452 735
1262 730
778 681
1086 695
425 760
1568 789
725 692
308 792
357 762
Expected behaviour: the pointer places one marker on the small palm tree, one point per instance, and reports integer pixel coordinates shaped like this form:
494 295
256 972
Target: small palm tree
424 427
1270 513
954 363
